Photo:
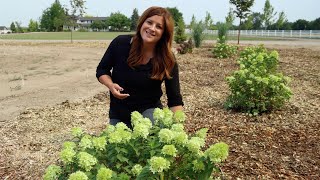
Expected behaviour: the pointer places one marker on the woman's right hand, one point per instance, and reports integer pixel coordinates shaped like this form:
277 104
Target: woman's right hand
116 91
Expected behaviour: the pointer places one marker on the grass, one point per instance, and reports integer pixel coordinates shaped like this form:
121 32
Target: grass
64 36
102 36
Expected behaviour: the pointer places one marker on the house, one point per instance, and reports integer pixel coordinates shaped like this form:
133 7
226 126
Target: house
84 23
4 30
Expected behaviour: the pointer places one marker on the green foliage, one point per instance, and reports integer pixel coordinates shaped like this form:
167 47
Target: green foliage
185 47
223 32
268 14
33 26
134 19
257 87
223 50
176 15
13 27
197 33
118 22
159 151
180 36
97 25
53 17
242 10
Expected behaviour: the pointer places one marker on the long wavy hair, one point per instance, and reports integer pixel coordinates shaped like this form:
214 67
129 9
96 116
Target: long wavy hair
163 60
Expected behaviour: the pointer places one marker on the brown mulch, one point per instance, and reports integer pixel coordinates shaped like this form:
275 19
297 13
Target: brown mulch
283 144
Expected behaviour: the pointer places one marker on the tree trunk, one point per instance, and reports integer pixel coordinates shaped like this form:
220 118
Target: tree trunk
239 31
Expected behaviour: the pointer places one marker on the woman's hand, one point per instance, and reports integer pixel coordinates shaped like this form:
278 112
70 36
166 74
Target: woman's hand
116 91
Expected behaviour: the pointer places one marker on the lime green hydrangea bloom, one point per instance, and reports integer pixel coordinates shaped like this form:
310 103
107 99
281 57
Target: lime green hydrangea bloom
141 130
104 174
202 133
168 115
67 155
76 132
136 117
178 127
79 175
86 142
136 169
122 126
109 129
198 165
179 116
158 115
194 144
99 143
69 145
120 136
217 152
86 160
169 150
158 164
166 135
52 172
180 138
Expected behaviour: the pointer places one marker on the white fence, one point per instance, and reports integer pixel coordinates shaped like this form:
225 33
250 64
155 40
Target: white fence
270 33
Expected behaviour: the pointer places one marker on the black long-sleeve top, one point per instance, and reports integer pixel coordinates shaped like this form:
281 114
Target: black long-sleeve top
144 92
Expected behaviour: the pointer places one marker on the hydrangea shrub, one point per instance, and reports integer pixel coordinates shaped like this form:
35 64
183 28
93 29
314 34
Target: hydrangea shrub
223 50
160 151
257 86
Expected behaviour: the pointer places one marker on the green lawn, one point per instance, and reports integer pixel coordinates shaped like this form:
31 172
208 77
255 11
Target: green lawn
64 35
100 36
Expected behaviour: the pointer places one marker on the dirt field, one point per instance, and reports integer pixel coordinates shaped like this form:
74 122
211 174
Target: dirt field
46 88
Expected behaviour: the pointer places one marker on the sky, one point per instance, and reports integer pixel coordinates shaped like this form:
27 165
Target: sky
24 10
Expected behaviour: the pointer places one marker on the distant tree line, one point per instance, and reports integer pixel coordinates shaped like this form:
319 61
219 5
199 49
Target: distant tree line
56 16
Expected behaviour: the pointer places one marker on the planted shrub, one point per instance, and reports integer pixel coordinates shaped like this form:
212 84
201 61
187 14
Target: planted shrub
257 87
222 50
180 36
222 33
185 47
159 151
198 33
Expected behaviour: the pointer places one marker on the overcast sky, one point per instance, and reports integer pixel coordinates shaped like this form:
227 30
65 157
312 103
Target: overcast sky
24 10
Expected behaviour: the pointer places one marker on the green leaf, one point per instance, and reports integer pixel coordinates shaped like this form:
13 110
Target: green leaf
146 174
121 158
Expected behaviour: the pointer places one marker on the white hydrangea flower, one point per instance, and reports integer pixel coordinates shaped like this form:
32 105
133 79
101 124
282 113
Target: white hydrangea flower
158 164
166 135
86 160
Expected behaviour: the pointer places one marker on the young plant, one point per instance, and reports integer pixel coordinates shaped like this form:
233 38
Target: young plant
160 151
257 87
222 50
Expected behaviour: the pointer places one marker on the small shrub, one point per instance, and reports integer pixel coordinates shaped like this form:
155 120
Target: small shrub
160 151
197 33
222 33
185 47
222 50
180 35
257 87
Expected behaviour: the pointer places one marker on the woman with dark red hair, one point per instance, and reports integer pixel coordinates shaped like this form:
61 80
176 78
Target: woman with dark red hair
134 67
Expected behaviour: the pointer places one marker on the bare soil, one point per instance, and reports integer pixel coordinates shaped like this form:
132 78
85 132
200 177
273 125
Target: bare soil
49 87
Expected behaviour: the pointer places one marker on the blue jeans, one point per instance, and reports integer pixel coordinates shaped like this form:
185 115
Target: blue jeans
147 113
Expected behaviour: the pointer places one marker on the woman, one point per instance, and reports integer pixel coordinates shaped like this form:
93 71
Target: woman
139 64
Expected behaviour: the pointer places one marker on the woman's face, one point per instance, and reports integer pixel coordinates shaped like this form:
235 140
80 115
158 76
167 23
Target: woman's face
152 29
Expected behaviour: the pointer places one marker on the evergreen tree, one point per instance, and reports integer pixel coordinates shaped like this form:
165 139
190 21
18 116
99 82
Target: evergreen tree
180 35
176 15
134 19
13 27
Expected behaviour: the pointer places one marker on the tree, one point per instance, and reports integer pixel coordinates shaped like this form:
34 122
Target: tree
97 24
176 15
242 10
18 27
13 27
180 35
281 20
118 22
52 16
77 9
208 22
193 21
230 17
315 25
197 33
134 19
33 26
256 21
248 24
268 14
300 24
